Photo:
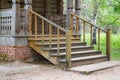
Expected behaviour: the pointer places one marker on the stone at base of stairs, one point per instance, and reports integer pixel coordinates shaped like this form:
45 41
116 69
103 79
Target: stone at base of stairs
87 69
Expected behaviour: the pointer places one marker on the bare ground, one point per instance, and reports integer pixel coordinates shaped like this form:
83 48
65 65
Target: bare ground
49 72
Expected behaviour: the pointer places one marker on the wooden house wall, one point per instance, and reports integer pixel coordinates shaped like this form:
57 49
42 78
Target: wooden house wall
41 6
4 4
47 8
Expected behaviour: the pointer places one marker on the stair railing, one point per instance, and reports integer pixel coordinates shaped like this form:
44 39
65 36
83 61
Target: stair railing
87 24
33 21
34 17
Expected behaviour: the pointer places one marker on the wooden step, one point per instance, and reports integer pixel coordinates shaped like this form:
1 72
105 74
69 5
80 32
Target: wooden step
62 44
53 39
86 60
73 48
77 54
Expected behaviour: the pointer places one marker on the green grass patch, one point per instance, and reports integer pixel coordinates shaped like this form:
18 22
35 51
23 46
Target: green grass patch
115 45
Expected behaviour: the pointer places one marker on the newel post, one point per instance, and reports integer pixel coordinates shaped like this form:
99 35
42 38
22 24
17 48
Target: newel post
68 48
108 42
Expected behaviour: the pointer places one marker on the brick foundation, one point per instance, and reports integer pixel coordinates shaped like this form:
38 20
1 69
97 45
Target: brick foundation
16 53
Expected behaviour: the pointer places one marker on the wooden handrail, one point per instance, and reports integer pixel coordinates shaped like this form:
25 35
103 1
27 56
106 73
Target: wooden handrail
47 20
88 22
45 23
91 27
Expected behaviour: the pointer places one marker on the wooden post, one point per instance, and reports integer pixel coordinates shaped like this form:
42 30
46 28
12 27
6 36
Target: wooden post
27 7
15 19
69 11
36 27
91 35
50 36
84 30
43 31
108 39
58 40
99 39
71 22
68 48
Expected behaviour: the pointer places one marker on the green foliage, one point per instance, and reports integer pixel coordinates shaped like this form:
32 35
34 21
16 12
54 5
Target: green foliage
107 13
3 57
115 45
117 6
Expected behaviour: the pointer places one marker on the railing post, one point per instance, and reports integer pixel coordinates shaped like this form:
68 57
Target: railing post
43 31
36 27
68 48
108 39
91 35
99 39
84 27
77 25
58 40
71 22
50 35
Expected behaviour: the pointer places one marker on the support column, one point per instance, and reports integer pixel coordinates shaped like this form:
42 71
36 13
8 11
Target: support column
69 11
77 11
15 18
27 7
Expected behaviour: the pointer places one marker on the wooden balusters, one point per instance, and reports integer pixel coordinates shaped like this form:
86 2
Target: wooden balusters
43 30
77 25
71 22
91 35
30 23
36 29
84 35
98 38
58 40
68 48
50 35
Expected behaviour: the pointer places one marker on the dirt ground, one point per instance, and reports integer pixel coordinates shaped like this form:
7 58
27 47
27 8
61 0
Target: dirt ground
50 72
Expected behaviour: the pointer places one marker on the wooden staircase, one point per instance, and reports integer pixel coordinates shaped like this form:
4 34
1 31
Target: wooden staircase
63 49
81 53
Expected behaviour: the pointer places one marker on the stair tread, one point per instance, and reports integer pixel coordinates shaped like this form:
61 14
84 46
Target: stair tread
65 47
73 53
52 38
83 58
73 42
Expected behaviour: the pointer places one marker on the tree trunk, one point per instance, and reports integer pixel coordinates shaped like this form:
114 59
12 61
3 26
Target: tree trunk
77 11
96 6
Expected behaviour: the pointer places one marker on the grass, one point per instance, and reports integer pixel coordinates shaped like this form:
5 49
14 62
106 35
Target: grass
115 45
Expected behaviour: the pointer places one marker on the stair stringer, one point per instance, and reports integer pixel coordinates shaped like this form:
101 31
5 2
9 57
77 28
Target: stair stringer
45 54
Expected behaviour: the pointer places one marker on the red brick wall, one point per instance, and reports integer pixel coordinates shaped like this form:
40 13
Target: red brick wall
16 53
